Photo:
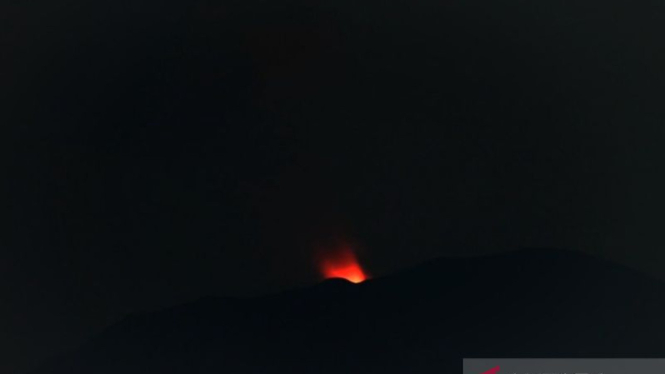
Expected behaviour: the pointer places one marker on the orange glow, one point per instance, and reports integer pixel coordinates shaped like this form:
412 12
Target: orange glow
343 264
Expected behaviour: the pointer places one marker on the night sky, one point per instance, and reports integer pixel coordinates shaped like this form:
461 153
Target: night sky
156 152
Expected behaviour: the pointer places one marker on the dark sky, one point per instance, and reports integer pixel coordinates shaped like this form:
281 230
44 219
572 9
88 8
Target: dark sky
156 152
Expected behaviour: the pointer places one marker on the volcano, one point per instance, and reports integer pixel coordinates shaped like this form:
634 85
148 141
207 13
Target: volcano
343 264
528 303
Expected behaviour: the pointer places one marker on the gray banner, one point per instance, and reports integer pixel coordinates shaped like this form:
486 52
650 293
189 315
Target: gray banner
563 366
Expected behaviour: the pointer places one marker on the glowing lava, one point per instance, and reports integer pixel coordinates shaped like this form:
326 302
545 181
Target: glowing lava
343 264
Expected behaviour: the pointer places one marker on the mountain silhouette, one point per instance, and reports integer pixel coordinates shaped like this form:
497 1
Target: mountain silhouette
527 303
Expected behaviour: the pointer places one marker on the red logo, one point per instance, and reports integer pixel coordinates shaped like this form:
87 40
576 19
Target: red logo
492 371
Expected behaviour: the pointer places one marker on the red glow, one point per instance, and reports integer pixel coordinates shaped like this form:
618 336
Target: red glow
343 264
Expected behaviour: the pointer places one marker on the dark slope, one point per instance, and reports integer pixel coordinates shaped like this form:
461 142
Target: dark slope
527 303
